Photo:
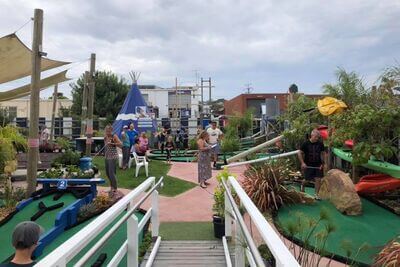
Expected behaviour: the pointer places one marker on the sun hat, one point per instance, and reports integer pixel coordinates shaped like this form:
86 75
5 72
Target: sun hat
125 127
26 234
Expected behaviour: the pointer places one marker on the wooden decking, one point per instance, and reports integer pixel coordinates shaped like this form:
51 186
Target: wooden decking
189 253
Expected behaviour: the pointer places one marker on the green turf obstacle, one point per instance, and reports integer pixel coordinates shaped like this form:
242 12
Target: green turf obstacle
46 221
375 227
110 248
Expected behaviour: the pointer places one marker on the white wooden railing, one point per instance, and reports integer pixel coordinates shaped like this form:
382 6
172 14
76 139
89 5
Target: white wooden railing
69 249
248 249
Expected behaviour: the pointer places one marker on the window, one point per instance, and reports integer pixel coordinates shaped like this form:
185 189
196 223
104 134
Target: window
12 112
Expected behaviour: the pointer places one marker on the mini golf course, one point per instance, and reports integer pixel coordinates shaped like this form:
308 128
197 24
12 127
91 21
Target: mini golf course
374 228
52 218
110 248
47 220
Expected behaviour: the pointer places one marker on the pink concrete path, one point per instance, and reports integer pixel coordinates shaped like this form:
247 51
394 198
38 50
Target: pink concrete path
194 205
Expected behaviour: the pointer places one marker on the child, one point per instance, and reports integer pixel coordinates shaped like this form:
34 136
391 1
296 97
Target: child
169 146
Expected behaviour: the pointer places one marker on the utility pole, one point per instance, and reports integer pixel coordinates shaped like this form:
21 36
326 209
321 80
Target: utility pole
91 87
209 89
53 114
202 99
176 98
84 102
248 87
33 140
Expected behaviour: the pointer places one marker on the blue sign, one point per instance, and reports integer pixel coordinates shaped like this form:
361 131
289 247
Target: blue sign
62 184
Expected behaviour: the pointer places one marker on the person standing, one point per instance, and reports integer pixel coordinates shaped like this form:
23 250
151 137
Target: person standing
126 145
161 139
132 133
111 142
204 163
215 136
44 138
169 146
25 239
312 156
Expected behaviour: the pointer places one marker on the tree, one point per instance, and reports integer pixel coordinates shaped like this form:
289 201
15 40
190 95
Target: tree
372 119
301 116
349 88
110 94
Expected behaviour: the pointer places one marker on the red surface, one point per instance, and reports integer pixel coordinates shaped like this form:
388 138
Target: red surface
349 143
323 130
376 183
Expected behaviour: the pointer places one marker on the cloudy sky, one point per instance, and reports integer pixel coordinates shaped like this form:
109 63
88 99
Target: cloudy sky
270 44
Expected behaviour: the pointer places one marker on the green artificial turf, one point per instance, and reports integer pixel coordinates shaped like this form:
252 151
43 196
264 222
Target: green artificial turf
375 227
110 248
187 231
126 178
46 220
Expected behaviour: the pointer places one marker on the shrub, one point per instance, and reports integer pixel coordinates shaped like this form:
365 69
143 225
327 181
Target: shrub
306 229
193 144
12 135
63 143
264 184
87 211
390 254
69 157
230 144
103 201
52 173
11 196
219 194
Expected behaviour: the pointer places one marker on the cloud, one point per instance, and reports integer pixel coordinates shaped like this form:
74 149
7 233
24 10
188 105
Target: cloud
268 43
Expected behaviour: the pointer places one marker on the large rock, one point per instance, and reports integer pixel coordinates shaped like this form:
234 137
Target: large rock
338 188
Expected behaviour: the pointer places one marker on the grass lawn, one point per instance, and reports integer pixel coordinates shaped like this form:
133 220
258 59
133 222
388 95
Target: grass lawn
126 179
187 231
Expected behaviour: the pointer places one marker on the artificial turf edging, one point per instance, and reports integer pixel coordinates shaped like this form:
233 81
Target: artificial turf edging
126 178
187 231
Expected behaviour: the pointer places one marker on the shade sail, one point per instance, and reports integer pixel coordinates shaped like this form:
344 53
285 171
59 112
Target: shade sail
26 89
134 110
15 59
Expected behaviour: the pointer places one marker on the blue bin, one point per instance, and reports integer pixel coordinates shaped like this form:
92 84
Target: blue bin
85 163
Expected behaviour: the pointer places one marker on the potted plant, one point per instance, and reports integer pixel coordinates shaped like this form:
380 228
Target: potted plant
266 255
219 205
219 210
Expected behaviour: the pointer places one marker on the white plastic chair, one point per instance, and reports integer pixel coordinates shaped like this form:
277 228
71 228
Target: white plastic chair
120 160
139 161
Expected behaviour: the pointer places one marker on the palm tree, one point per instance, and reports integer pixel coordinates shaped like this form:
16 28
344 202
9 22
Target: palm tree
349 88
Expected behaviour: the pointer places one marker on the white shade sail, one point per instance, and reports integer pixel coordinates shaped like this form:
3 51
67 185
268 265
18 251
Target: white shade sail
26 89
15 59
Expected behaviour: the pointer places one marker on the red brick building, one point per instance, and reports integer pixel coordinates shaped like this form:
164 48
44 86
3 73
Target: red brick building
241 103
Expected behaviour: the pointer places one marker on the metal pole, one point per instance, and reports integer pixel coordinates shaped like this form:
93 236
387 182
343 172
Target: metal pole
202 99
89 126
84 102
33 140
287 154
209 89
53 114
254 149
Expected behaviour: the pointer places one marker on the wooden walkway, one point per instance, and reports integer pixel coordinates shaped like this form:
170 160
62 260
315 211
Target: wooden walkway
189 253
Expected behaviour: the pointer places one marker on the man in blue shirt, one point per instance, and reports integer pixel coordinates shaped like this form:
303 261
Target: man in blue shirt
132 133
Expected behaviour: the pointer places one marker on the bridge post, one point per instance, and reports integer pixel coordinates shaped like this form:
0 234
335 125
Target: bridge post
228 216
132 232
240 244
155 221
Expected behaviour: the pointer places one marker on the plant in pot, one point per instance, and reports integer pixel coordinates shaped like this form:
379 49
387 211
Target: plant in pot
266 255
219 212
219 205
